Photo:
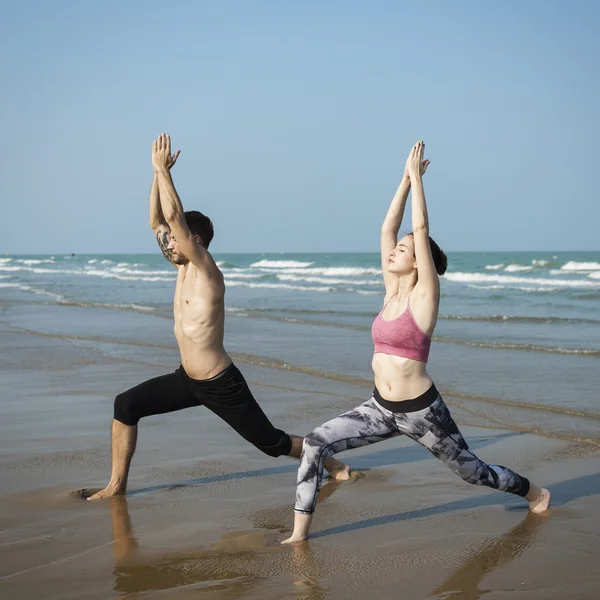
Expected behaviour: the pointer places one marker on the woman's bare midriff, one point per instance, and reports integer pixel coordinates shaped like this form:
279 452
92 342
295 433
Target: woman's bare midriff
399 379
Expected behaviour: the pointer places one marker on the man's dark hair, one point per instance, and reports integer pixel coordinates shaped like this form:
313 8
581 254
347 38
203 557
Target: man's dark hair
440 260
201 225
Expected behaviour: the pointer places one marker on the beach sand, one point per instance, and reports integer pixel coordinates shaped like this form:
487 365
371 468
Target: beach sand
205 512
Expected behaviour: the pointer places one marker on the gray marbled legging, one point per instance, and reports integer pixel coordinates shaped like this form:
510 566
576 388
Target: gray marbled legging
369 423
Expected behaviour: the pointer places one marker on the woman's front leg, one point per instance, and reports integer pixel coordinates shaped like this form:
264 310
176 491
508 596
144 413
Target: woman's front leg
301 527
364 425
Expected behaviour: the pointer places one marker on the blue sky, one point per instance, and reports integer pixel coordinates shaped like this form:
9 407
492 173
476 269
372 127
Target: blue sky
295 120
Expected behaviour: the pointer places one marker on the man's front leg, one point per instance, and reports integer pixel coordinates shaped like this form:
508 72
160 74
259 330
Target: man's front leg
124 438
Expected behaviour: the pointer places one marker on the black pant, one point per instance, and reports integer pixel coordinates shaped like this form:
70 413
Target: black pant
227 395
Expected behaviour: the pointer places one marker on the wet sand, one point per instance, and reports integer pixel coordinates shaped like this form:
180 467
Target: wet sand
205 512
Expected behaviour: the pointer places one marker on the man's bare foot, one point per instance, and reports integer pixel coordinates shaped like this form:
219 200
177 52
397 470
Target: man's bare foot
293 539
337 470
107 492
540 502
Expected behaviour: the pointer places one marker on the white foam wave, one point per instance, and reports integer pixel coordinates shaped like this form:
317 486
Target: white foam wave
494 267
512 279
123 265
134 306
107 262
93 261
31 261
328 271
488 287
580 266
540 263
29 288
138 272
594 275
238 312
229 275
114 273
30 269
327 280
280 286
280 264
517 268
5 261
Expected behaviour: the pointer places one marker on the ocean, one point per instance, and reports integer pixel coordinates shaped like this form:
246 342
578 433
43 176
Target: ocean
516 356
517 327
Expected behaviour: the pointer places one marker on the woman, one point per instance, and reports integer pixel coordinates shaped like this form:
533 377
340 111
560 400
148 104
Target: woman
405 400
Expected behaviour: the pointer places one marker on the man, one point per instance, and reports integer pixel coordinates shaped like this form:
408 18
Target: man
206 375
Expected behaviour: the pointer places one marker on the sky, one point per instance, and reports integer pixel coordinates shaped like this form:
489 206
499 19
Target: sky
295 120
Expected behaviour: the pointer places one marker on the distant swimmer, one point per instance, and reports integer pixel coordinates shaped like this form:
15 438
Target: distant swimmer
405 401
207 377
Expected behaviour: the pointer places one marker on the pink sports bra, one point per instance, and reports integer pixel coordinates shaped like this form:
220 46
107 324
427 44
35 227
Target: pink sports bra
401 336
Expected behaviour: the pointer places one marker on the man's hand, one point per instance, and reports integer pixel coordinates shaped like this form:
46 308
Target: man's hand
161 153
415 165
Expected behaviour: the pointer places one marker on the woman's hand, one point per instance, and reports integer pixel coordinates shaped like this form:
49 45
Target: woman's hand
415 165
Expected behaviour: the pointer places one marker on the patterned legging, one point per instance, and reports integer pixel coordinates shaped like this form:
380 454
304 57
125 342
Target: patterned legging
369 423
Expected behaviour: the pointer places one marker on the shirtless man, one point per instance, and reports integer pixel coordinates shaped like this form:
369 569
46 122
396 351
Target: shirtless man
206 375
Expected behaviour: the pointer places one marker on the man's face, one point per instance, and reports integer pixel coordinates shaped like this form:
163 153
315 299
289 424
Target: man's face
176 256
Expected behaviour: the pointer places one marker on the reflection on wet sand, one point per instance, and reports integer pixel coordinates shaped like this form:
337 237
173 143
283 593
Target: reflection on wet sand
227 568
231 568
464 583
138 571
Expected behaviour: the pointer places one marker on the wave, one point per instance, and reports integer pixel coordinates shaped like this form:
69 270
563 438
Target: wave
511 279
531 347
327 271
133 306
310 311
280 286
581 266
327 280
517 268
517 319
494 267
5 261
31 261
594 275
127 271
229 275
281 264
28 288
120 274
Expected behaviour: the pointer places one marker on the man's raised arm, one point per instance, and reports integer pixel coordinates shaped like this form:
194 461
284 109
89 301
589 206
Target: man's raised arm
157 221
191 246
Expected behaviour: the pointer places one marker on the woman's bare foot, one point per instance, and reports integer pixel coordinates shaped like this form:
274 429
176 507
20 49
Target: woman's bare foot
337 470
539 499
107 492
294 539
